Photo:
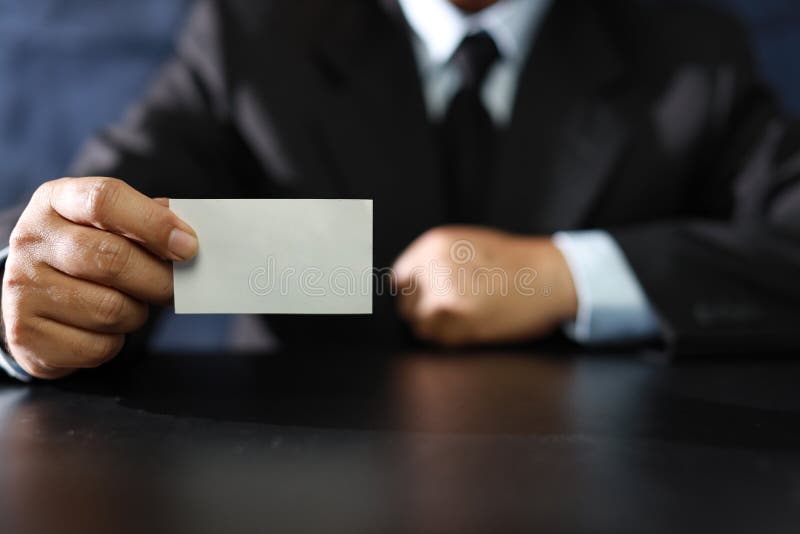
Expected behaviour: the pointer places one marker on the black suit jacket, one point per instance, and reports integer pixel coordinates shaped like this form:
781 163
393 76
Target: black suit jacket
650 124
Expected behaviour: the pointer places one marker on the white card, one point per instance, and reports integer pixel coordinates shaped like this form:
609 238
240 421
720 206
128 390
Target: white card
276 256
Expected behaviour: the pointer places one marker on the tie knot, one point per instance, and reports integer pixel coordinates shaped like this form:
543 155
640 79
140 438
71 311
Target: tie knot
476 53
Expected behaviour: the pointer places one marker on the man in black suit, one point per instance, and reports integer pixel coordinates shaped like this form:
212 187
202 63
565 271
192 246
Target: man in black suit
628 155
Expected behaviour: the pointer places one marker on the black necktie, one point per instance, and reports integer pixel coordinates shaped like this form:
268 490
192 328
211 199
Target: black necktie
468 135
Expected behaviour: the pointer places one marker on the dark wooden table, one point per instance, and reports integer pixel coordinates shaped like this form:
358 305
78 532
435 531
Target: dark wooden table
376 442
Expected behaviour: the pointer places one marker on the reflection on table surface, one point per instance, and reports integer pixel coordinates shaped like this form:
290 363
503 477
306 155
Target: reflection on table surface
415 442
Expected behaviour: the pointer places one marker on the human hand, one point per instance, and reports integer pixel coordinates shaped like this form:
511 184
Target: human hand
86 258
463 285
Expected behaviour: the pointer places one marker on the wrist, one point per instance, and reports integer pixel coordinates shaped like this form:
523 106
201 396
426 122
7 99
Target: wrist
563 285
555 278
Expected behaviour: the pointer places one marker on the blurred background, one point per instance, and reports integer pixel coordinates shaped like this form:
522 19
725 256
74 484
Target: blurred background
68 67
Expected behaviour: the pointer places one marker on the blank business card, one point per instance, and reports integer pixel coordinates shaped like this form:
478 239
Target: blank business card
298 256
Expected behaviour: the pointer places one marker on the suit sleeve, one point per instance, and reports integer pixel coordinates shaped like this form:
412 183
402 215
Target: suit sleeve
728 279
179 140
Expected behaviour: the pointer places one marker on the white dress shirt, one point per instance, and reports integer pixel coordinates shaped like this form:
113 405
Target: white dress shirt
612 307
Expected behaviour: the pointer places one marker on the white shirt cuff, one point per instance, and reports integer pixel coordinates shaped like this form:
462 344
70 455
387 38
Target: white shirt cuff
7 363
612 306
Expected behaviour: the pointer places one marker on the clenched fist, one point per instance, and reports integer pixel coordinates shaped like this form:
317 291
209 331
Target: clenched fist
462 285
86 258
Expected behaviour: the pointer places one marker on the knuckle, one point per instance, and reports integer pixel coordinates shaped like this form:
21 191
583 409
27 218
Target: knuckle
20 286
102 197
21 238
39 364
15 281
439 314
101 349
33 366
439 235
42 193
149 215
139 317
110 309
165 292
440 311
112 256
43 189
17 331
443 324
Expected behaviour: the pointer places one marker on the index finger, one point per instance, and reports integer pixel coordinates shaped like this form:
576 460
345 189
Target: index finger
112 205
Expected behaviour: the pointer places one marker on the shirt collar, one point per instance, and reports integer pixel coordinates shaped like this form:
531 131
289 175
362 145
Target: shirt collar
440 26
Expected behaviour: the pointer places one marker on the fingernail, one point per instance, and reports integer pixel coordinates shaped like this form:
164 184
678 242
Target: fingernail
181 244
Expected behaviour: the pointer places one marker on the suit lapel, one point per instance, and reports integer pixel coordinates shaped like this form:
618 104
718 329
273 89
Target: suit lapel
564 138
374 122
